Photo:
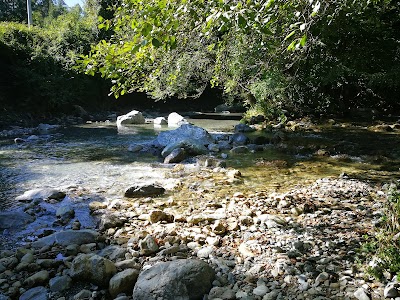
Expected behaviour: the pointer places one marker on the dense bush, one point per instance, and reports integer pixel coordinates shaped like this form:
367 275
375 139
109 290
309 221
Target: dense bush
37 63
383 247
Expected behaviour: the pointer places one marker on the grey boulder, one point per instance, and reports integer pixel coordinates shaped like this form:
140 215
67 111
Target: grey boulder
160 121
184 132
176 156
133 117
239 139
175 119
123 282
186 279
60 283
92 268
191 146
36 293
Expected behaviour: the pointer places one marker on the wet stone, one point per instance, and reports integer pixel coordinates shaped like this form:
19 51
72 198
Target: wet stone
36 293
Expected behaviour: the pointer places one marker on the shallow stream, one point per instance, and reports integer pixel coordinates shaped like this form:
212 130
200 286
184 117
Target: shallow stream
92 162
95 158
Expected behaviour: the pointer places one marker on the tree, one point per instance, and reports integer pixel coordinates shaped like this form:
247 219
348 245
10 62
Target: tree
272 53
13 10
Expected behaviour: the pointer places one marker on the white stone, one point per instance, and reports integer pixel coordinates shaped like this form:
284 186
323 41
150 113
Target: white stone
175 119
204 252
160 121
133 117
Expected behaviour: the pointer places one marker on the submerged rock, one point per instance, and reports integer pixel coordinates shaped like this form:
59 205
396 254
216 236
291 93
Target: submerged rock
14 219
65 213
180 279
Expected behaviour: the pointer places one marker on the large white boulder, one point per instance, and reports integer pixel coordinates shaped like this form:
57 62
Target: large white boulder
175 120
160 121
133 117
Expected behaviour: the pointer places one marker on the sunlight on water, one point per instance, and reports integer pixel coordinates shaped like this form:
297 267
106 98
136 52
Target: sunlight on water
96 158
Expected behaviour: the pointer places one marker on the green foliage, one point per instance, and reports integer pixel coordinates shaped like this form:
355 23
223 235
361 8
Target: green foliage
317 49
384 247
37 62
232 42
13 10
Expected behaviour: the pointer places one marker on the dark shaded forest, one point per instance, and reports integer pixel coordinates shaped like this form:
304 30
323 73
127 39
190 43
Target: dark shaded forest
315 58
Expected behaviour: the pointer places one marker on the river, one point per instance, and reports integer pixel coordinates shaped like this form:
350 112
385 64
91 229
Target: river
95 157
93 162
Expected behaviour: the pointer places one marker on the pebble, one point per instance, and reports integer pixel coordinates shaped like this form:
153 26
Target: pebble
361 294
257 246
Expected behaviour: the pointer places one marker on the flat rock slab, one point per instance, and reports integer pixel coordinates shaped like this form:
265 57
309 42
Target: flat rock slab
180 279
41 194
14 219
65 238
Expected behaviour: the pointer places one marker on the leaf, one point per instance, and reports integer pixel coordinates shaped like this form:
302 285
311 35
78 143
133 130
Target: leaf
172 42
242 21
135 48
156 43
290 35
303 40
292 46
146 29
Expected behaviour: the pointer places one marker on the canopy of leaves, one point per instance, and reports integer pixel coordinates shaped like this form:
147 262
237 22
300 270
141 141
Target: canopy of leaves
293 54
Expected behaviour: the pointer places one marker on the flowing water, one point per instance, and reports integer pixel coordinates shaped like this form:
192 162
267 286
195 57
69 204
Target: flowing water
95 157
92 162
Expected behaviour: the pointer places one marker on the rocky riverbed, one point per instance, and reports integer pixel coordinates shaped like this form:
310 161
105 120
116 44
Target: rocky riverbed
301 244
209 235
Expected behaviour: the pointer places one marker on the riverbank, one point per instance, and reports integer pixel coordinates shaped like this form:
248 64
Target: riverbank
302 244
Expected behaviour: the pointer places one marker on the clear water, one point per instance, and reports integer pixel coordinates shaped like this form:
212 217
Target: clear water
92 162
94 157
